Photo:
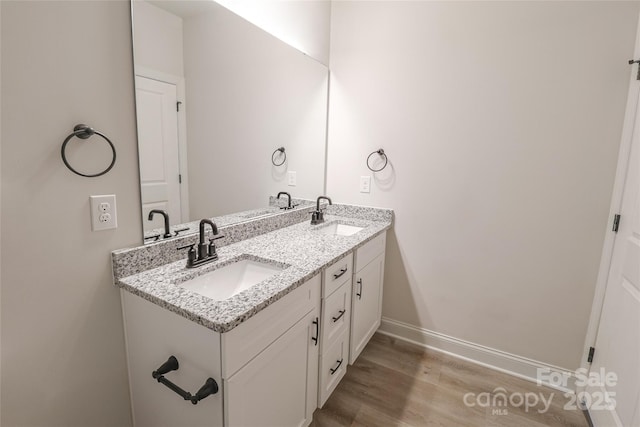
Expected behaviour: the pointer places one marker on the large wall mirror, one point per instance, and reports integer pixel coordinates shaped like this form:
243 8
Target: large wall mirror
215 97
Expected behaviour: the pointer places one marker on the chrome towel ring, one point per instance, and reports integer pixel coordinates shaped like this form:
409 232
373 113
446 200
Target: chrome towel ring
282 154
381 153
85 132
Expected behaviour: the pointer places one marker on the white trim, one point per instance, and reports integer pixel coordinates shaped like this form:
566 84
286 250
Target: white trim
602 417
179 82
498 360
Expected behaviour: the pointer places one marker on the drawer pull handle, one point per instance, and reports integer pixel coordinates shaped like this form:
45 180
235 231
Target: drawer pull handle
342 271
315 339
334 370
335 319
359 293
210 386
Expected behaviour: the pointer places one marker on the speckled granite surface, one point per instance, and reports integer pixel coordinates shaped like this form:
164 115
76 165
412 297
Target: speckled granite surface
301 248
275 207
130 261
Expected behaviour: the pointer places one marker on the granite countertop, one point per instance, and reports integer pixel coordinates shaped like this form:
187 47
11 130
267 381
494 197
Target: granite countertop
301 249
275 206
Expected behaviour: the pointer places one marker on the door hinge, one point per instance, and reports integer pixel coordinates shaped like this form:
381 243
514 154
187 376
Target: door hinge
636 61
616 222
178 105
179 178
590 356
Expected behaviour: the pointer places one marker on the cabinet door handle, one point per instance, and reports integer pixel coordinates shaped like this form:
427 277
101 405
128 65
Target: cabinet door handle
359 293
210 385
315 339
335 319
342 271
334 370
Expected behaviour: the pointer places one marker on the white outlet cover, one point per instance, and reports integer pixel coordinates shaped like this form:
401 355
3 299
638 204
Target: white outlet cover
365 184
103 212
291 179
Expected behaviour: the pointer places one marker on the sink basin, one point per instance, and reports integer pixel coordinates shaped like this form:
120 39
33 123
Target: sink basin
337 229
227 281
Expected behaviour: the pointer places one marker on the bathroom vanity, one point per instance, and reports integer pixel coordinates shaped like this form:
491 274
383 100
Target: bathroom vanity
275 321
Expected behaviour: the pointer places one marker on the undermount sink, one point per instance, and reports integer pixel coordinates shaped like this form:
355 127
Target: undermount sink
230 280
337 229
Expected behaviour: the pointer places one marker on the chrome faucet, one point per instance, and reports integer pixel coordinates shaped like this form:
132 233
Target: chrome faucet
288 202
206 251
317 216
167 231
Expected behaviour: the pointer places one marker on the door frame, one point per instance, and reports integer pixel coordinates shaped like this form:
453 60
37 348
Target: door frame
616 204
179 83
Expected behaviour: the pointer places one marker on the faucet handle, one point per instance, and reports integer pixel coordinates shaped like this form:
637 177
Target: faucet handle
191 254
211 251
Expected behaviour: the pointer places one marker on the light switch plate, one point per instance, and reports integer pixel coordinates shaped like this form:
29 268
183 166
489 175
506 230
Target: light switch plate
103 212
365 184
291 179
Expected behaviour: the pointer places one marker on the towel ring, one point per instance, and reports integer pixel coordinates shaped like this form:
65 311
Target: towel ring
381 153
85 132
273 160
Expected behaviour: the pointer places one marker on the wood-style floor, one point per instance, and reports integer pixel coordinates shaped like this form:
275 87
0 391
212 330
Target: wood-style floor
394 383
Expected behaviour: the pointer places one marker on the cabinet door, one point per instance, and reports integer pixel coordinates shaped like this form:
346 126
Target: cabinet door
273 388
367 305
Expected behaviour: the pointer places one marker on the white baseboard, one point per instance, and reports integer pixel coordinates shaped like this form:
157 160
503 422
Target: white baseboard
508 363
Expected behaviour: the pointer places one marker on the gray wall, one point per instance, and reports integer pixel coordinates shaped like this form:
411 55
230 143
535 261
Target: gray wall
502 121
63 358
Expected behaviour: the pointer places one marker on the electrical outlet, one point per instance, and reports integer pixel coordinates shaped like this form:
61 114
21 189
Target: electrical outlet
291 179
103 212
365 184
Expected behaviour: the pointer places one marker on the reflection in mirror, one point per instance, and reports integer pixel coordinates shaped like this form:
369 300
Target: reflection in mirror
215 97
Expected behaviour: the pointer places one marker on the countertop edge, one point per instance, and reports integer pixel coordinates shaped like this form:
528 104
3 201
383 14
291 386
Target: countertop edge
222 327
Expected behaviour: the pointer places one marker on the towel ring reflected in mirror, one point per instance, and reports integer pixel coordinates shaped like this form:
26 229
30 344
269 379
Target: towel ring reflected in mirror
381 153
282 154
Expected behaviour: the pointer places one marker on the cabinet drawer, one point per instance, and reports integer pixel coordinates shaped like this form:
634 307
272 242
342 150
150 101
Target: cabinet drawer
247 340
336 314
370 250
337 274
333 366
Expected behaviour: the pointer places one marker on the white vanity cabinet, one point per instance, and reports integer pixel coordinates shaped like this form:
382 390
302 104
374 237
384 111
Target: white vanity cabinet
351 311
273 369
266 367
336 318
366 299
